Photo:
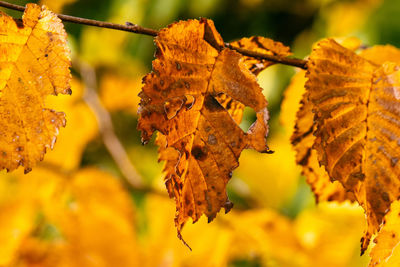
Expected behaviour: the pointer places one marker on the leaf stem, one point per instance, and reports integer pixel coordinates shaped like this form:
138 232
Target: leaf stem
129 27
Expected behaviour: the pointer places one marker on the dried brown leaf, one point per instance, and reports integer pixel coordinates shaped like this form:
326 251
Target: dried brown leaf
194 97
303 139
355 103
261 45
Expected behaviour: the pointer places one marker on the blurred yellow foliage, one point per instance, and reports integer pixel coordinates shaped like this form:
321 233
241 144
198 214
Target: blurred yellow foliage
266 183
56 6
344 18
127 98
82 127
79 218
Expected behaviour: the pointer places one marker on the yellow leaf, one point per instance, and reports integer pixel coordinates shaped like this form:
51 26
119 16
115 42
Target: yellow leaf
35 63
380 54
387 239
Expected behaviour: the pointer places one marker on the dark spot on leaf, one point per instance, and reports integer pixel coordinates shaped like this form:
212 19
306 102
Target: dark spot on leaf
190 212
187 85
199 153
385 197
229 104
212 104
187 200
50 35
19 23
68 91
304 160
393 161
156 73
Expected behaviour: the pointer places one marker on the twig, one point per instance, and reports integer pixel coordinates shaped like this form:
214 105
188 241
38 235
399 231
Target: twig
106 128
129 27
300 63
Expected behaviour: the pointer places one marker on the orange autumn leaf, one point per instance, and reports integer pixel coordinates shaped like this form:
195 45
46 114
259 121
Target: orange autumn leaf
302 140
261 45
356 117
200 136
297 116
34 64
256 44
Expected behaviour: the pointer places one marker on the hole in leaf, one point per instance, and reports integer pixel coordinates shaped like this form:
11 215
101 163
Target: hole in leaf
249 117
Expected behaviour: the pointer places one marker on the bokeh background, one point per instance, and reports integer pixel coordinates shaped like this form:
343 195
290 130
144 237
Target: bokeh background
87 206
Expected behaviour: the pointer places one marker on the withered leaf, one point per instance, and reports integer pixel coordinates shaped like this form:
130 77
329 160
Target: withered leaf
34 63
255 65
302 140
355 103
194 97
261 45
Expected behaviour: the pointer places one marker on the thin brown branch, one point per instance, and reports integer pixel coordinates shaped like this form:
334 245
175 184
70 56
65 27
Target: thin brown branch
129 27
300 63
106 128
